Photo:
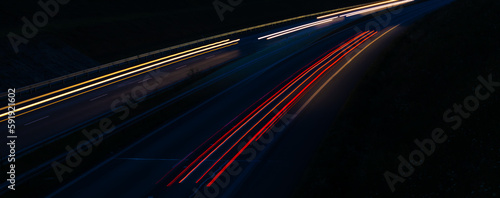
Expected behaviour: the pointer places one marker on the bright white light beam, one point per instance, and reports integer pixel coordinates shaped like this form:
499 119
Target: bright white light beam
376 8
295 29
354 9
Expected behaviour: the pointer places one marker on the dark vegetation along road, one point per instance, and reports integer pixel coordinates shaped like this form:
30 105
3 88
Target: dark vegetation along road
404 96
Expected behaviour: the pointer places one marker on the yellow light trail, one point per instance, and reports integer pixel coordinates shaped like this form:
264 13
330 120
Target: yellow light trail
220 45
117 72
118 81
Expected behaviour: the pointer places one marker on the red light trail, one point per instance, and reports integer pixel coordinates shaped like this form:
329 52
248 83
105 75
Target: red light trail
282 98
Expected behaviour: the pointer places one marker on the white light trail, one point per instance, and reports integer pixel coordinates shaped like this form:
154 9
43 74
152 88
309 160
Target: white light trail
376 8
295 29
354 9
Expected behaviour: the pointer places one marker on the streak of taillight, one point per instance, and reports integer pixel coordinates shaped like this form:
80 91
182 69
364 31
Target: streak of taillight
273 98
354 43
286 107
227 125
287 86
257 134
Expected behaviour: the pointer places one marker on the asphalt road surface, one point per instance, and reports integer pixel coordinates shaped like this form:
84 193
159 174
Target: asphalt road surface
279 113
279 159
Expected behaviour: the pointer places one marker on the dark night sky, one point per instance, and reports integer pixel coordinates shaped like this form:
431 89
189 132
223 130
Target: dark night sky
111 30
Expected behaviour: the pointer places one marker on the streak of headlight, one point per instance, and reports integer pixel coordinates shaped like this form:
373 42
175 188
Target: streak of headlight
121 79
119 76
354 9
294 29
117 72
346 13
375 8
